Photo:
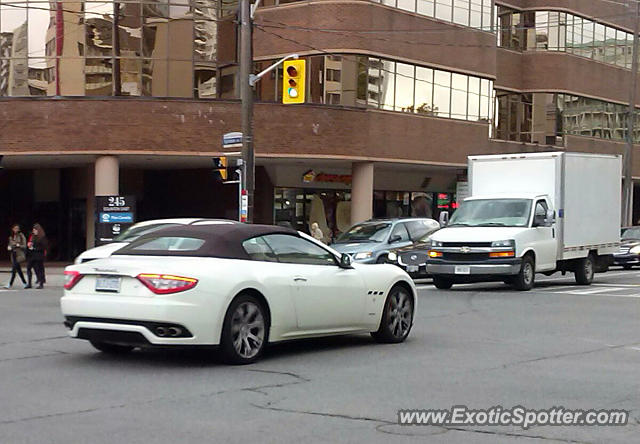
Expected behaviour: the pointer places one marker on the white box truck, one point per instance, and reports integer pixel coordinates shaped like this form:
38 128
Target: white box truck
531 213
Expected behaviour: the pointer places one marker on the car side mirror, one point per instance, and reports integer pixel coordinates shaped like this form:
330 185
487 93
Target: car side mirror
345 261
444 219
394 238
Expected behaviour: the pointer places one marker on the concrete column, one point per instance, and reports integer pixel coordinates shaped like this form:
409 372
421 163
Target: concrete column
361 191
107 176
90 207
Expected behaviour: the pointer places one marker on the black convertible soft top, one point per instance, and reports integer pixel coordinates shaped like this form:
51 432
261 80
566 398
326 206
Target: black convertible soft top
220 240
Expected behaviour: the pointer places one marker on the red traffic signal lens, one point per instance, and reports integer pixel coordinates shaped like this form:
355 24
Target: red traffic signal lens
292 71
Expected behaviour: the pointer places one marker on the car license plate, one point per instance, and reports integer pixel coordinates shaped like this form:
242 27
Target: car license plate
108 283
462 269
412 268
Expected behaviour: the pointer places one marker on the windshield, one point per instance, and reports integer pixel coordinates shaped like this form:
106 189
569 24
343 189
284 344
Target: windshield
631 233
492 213
366 232
136 231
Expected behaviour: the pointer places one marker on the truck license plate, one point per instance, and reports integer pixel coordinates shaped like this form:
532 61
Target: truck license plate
108 283
462 269
412 268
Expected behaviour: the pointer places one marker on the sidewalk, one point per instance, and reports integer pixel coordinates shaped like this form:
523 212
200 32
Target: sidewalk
53 271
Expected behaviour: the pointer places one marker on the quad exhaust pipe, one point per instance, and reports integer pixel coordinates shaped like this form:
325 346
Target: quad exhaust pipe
171 331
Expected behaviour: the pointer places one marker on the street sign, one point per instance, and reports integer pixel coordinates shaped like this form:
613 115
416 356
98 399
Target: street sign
232 140
114 214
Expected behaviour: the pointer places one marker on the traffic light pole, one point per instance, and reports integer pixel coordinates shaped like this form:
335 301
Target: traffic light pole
246 96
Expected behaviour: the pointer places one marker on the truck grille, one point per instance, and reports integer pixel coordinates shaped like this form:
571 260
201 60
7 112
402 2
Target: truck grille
624 250
465 257
466 244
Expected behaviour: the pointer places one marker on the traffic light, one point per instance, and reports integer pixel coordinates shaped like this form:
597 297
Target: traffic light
220 167
293 81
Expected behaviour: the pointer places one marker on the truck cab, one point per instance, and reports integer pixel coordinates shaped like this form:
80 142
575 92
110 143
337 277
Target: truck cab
504 229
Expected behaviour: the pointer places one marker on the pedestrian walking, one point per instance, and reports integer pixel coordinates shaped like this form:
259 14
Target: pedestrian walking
36 253
16 248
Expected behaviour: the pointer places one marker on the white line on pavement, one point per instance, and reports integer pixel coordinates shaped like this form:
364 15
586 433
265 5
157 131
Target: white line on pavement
593 290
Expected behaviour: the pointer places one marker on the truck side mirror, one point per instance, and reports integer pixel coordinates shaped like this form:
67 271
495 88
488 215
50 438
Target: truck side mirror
444 219
550 218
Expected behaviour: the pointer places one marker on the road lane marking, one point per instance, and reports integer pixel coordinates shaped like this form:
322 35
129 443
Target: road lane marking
594 290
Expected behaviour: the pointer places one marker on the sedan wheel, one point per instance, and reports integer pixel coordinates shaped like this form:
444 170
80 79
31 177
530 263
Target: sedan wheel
244 332
397 318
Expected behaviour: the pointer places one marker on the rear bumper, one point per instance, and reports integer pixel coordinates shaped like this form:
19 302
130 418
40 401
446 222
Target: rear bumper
501 267
90 314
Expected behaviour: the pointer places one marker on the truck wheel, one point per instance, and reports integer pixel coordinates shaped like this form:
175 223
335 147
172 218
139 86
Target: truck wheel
584 271
442 283
525 279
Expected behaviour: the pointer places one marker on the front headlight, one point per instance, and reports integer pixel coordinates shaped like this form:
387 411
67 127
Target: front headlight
392 256
363 255
504 243
635 250
435 243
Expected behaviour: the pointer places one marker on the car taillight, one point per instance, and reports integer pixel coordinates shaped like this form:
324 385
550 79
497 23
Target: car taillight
166 283
71 278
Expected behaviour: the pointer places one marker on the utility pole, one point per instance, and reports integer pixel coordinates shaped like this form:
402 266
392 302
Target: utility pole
246 96
627 194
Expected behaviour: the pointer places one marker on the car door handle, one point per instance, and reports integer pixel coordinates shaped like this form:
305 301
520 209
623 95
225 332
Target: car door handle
300 279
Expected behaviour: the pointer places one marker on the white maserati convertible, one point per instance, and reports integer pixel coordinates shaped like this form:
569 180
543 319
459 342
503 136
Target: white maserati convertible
237 286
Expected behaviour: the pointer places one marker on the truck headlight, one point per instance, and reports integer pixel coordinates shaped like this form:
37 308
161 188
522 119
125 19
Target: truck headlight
504 243
635 250
435 243
392 256
363 255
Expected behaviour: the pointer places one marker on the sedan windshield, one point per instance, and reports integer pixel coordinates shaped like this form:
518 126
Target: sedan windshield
492 213
136 231
631 233
366 232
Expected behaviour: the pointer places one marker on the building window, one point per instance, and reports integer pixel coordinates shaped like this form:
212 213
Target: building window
362 81
545 117
130 48
559 31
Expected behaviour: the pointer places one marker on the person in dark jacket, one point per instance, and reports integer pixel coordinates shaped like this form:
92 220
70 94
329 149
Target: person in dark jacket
36 252
17 246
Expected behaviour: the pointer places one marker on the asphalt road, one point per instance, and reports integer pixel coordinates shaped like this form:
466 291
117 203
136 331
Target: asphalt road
478 345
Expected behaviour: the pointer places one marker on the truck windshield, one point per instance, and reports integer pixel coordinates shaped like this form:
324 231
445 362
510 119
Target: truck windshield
492 213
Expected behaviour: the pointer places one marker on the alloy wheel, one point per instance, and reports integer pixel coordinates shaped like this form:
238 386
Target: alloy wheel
247 329
401 311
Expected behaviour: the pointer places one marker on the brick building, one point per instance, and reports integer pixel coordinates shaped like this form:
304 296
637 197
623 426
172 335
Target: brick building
133 98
